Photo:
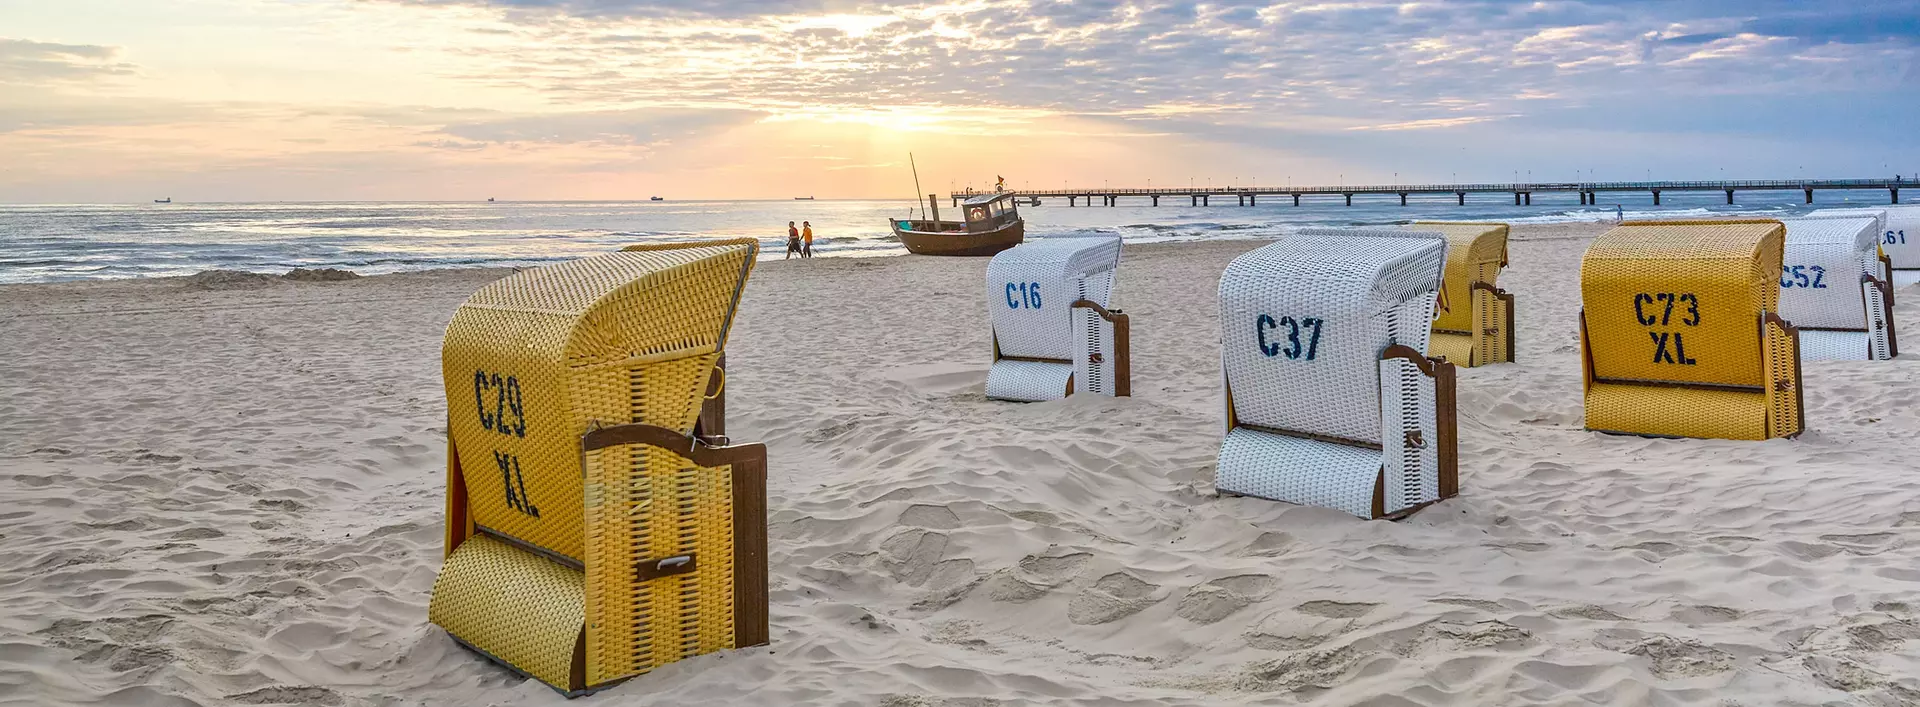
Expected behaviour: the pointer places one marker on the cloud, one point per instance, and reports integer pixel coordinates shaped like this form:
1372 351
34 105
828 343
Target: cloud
1431 123
624 127
24 61
1369 62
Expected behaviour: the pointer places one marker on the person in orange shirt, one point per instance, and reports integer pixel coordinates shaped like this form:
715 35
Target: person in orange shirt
806 236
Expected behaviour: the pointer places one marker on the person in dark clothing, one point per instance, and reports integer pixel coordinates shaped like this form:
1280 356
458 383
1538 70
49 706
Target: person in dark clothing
793 241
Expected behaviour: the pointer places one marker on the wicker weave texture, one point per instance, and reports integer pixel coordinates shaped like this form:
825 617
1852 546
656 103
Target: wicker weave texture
1094 354
1462 349
1031 287
1823 262
1304 321
1879 216
1677 412
532 359
517 606
646 504
1880 335
1476 252
1410 456
531 363
1836 346
1899 230
1302 471
1677 301
1028 381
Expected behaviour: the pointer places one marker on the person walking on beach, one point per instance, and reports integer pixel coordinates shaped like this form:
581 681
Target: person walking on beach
793 241
806 239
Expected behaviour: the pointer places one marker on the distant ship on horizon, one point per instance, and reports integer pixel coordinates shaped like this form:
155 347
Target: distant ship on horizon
656 199
803 198
167 200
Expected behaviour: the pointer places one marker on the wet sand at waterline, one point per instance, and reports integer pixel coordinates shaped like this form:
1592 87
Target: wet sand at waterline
229 492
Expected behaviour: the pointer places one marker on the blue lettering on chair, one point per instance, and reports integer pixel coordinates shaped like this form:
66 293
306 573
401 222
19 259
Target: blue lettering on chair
1295 348
1029 295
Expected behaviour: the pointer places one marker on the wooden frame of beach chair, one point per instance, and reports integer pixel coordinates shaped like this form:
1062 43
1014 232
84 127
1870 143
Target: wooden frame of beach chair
1330 398
1831 289
619 533
1053 333
1680 334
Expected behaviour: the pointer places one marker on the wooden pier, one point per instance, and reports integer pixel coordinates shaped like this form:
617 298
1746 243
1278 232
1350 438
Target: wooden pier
1522 192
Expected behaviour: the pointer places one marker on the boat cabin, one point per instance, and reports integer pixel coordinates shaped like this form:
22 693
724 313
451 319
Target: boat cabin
989 212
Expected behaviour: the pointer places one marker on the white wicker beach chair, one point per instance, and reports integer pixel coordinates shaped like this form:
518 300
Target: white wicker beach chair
1053 334
1330 398
1899 229
1832 289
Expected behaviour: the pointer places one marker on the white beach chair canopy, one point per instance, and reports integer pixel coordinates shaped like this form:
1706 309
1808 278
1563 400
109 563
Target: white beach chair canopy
1041 341
1316 415
1829 288
1899 236
1345 298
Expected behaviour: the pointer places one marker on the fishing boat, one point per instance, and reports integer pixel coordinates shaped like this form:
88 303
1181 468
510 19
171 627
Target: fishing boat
992 225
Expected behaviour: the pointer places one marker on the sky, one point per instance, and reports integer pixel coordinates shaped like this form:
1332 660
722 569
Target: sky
106 101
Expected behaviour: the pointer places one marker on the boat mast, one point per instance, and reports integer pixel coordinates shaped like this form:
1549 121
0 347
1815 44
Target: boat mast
916 186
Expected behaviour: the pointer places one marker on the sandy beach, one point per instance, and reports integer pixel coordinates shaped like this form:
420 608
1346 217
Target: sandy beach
229 493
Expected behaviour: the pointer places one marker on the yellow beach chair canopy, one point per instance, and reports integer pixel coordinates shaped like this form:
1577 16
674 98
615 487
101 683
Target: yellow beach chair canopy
1680 332
590 536
1475 325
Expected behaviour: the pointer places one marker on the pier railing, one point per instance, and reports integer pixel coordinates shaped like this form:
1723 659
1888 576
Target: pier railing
1521 190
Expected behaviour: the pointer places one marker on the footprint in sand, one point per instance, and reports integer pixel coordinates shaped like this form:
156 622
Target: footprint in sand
1669 658
1704 614
279 695
910 555
1586 612
1335 609
921 515
1219 598
1113 597
1034 577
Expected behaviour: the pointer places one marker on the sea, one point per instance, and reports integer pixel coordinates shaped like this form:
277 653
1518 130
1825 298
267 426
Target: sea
51 243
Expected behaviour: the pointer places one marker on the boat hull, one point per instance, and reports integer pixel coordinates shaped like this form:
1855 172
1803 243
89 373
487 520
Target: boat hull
960 243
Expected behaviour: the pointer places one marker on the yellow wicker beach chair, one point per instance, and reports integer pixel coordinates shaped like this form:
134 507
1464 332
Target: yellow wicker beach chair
1680 335
594 529
1475 325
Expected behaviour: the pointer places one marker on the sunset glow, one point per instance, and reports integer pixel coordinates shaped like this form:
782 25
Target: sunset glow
564 99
